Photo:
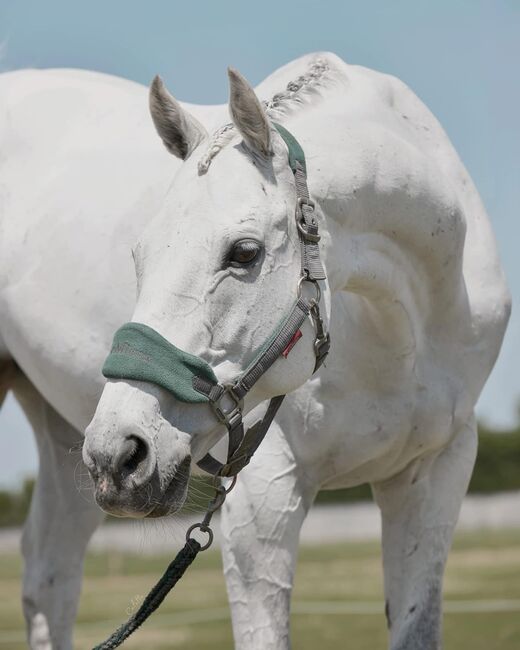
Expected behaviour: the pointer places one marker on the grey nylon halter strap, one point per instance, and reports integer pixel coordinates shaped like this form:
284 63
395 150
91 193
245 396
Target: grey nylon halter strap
226 400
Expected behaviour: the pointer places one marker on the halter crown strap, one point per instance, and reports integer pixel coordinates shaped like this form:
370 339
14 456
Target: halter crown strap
296 154
306 220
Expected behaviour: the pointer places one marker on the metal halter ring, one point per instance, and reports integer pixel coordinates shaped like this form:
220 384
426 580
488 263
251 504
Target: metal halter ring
203 529
303 279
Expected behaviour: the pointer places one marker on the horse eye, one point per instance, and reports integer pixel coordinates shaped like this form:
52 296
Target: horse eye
244 252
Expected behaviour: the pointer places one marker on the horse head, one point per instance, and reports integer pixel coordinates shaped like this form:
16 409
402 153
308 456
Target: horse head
219 279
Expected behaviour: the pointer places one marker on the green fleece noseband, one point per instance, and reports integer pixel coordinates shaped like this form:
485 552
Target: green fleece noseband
139 352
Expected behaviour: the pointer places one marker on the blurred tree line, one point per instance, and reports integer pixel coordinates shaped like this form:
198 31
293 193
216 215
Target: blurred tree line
497 470
14 506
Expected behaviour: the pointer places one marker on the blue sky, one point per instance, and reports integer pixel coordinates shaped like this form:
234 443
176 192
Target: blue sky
460 56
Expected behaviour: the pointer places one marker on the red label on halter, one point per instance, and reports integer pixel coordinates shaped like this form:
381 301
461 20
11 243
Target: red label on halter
297 336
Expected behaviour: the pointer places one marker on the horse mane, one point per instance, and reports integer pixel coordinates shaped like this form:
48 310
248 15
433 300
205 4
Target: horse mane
296 93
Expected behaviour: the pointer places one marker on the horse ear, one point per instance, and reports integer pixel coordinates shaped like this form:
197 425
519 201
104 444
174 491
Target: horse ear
179 130
248 114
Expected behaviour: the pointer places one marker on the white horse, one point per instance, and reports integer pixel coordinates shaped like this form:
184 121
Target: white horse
415 300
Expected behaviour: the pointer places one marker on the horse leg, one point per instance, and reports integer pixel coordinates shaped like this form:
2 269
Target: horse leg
60 523
261 523
419 510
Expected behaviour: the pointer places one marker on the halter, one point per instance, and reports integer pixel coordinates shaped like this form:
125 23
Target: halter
140 353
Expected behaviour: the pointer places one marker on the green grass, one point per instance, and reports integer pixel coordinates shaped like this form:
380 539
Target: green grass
482 566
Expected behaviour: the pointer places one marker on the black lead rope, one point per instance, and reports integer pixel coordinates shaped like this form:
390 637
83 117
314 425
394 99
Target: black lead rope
173 573
158 593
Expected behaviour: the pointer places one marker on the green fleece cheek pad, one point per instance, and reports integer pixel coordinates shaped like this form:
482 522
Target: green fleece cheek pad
139 352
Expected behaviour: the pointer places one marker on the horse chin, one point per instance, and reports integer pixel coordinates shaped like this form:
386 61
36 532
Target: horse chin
146 501
175 494
121 504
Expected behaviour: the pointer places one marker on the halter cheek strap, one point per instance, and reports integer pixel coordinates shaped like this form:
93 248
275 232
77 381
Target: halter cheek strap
141 353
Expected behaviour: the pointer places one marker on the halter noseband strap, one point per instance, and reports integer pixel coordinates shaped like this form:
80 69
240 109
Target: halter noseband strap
139 352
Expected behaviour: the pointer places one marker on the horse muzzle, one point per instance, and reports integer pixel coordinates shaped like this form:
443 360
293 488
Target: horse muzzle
130 479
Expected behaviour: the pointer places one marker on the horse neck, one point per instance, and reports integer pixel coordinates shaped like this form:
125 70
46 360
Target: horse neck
377 243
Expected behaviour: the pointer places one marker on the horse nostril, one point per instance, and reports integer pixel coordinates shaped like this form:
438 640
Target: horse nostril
133 458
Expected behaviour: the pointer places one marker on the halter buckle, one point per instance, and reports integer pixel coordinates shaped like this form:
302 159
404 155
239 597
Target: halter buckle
232 417
308 236
302 224
303 200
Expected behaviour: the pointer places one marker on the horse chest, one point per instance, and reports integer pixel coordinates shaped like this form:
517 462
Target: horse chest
350 437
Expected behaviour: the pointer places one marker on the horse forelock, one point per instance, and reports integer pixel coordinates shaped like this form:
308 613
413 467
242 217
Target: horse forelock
297 93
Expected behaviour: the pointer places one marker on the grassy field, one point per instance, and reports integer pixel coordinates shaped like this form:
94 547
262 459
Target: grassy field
337 599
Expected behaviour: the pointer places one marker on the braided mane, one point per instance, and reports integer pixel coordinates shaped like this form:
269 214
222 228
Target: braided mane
295 94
